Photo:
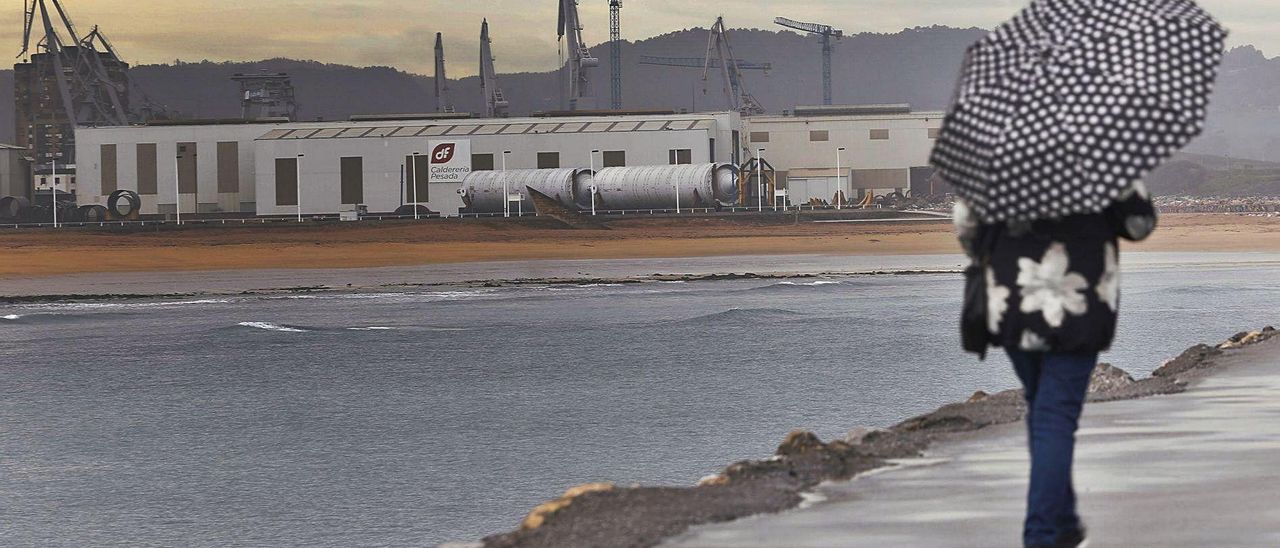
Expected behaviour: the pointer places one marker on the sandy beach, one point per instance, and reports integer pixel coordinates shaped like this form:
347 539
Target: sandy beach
344 246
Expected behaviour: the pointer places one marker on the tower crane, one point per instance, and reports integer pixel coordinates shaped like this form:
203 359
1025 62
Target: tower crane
444 103
735 88
735 83
827 33
495 103
615 53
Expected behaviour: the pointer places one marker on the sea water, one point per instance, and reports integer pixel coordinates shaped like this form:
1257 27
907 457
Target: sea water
415 417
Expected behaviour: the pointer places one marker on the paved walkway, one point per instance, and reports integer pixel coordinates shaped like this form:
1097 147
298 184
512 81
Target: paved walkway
1195 469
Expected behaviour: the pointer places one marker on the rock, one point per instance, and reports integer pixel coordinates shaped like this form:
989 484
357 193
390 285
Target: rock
1107 378
1245 339
861 433
539 516
978 396
799 442
713 479
1193 358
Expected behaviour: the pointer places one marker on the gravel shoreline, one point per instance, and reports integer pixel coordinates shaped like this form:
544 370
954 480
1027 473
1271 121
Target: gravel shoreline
606 515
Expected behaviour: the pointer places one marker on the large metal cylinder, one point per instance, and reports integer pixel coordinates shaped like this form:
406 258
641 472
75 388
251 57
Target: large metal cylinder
482 190
656 187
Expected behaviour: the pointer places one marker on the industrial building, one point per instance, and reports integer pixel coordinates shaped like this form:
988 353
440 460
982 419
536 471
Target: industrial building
879 149
381 164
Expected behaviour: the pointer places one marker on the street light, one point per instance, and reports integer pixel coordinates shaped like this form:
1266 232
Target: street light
839 180
177 185
413 180
506 194
54 189
298 182
760 179
593 181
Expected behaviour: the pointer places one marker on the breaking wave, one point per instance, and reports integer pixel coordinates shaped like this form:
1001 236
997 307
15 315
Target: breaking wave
267 326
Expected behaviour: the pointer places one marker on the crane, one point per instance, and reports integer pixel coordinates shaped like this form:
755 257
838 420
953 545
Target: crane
577 77
735 84
89 92
827 33
735 90
495 103
615 53
444 103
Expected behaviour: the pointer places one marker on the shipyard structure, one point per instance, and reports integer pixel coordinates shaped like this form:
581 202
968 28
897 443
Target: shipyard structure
451 165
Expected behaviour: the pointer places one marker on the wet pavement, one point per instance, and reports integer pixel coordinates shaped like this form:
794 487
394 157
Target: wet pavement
1193 469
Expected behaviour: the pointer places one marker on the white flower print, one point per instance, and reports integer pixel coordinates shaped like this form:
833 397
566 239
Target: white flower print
997 302
1049 288
1109 285
1032 342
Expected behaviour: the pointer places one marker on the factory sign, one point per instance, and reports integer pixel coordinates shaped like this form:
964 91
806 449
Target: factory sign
450 161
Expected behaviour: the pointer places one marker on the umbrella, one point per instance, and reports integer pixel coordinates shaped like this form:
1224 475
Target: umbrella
1063 108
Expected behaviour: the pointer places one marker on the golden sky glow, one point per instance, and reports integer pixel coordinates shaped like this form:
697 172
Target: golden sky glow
400 33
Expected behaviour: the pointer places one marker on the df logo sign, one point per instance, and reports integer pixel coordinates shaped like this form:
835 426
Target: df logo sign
443 153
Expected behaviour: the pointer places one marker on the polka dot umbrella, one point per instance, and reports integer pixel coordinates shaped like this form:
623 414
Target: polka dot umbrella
1064 107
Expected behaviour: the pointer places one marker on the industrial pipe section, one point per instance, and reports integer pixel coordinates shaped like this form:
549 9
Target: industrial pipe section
656 187
482 190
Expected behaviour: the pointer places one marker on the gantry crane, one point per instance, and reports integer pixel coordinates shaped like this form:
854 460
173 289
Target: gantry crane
90 93
443 101
495 103
577 75
615 53
827 33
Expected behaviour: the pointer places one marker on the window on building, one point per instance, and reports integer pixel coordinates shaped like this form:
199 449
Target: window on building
482 162
879 135
759 137
680 156
934 132
286 181
187 168
147 169
417 177
109 181
819 136
615 158
352 177
548 160
228 167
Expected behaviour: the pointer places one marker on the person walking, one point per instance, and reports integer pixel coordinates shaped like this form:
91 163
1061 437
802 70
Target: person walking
1058 116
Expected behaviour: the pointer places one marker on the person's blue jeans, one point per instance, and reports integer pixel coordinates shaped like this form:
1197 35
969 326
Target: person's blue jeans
1055 385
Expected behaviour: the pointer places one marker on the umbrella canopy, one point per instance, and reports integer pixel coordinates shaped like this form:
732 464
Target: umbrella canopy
1066 106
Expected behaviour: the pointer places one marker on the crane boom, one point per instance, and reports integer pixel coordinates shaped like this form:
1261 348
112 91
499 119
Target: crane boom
827 32
495 102
578 77
444 102
615 54
699 62
735 90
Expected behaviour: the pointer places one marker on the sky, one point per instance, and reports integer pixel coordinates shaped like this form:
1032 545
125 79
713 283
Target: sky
401 33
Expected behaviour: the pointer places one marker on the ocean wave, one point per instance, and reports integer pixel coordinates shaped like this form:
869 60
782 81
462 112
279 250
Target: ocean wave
267 326
746 315
370 328
126 305
11 317
817 283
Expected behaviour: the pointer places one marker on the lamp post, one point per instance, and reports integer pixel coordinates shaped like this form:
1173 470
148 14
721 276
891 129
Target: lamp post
177 186
506 193
413 180
54 190
593 181
298 183
760 177
839 180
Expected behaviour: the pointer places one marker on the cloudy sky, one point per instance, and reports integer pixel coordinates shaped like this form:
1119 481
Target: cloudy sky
400 33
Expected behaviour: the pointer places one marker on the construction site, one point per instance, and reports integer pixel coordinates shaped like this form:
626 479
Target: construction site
92 148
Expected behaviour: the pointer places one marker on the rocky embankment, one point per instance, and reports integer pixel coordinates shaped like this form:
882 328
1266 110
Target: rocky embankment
607 515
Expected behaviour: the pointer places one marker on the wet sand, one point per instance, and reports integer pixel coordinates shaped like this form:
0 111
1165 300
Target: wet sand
31 254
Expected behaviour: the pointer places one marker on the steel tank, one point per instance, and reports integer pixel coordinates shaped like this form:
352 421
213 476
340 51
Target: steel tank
482 190
655 187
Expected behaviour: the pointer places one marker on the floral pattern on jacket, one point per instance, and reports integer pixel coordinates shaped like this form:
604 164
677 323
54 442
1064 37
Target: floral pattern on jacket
1055 285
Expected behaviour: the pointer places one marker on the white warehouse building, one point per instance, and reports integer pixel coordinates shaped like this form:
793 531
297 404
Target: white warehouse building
885 149
261 168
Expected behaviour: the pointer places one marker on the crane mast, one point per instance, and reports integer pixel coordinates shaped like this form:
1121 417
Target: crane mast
444 103
827 33
495 102
580 61
615 53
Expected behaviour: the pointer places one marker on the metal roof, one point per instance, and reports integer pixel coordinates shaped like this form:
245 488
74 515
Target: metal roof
455 128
